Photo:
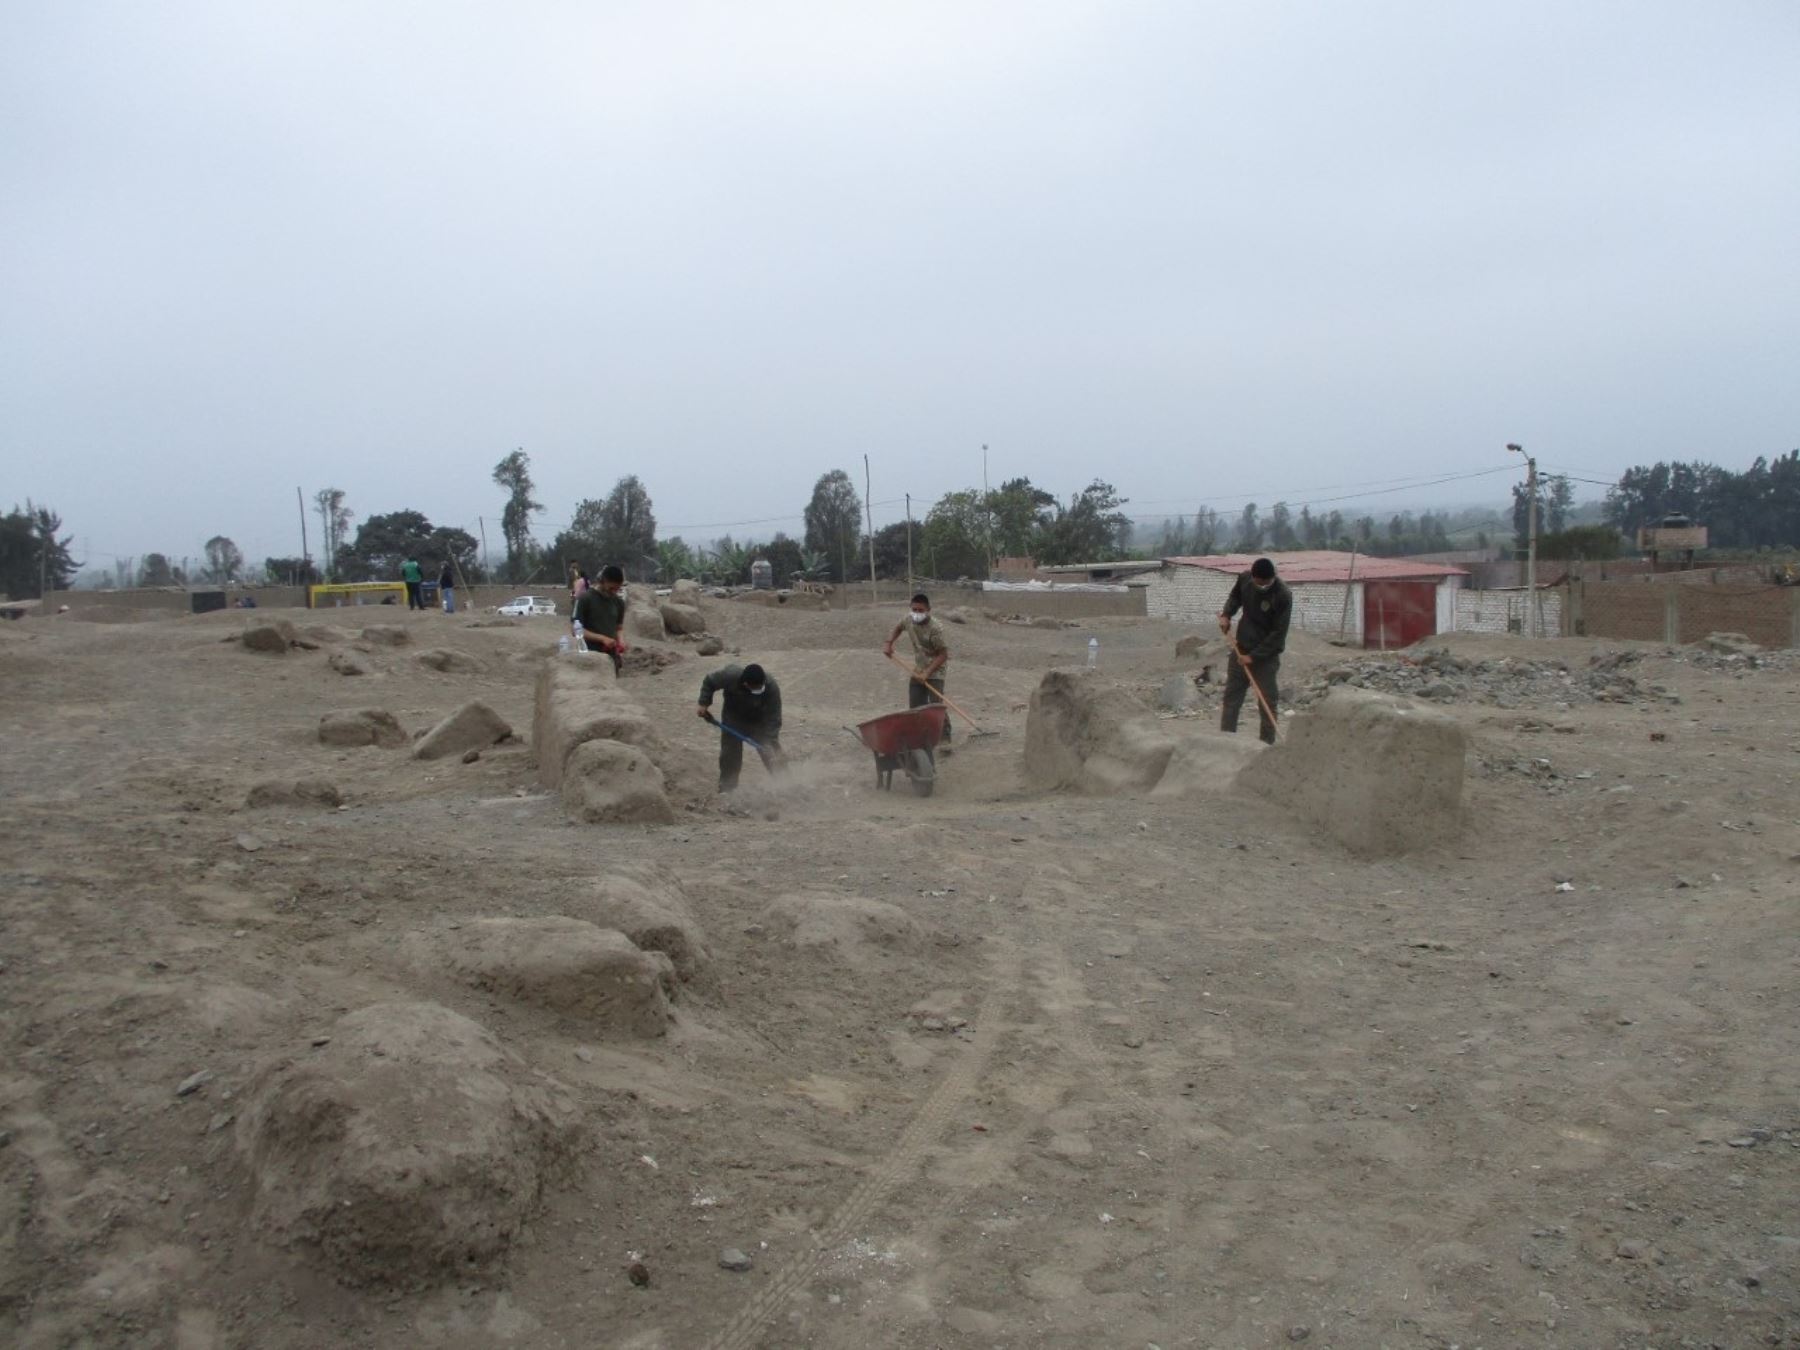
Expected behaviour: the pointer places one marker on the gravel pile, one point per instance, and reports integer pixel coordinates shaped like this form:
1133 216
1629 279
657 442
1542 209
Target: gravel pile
1503 683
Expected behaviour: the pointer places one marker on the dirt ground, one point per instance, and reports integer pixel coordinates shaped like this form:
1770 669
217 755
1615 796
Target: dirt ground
1111 1071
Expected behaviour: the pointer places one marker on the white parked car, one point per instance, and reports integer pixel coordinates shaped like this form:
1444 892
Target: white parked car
528 604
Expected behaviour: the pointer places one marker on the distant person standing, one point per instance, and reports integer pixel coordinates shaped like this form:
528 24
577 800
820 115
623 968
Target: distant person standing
414 577
931 653
1267 606
447 586
600 616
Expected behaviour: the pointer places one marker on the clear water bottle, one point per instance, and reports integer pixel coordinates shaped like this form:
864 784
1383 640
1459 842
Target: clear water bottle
562 645
1093 652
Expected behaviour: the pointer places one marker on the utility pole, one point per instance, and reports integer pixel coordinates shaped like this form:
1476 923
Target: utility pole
987 508
911 584
305 556
869 509
487 568
1533 617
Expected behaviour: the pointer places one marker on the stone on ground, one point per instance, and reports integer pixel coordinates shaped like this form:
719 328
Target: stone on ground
411 1148
564 964
474 726
609 782
450 662
1080 735
710 646
295 792
350 663
1190 646
386 635
1381 775
1178 694
274 637
1730 644
678 618
644 623
687 591
366 726
1046 621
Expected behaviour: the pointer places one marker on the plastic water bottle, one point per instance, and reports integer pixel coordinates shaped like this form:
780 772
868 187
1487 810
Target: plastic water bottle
1093 652
562 645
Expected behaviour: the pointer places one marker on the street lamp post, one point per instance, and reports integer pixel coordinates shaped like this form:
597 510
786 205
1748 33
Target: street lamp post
1531 499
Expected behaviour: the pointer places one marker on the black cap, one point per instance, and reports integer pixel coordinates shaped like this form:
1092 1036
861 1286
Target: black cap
752 675
1262 569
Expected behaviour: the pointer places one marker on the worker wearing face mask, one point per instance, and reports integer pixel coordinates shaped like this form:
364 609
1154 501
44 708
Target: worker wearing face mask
1267 606
931 653
751 715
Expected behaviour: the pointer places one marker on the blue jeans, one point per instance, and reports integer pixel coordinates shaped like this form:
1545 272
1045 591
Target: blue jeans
449 599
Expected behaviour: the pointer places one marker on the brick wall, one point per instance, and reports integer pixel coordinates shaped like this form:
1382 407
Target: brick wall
1195 595
1769 615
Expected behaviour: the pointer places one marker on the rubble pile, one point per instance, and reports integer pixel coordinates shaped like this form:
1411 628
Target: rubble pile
1505 682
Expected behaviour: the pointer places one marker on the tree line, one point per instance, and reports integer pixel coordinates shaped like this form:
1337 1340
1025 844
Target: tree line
962 534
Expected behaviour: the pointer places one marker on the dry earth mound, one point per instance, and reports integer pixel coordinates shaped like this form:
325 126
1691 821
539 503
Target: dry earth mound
857 929
1381 775
609 782
560 963
407 1149
656 917
386 635
1083 736
474 726
449 662
298 792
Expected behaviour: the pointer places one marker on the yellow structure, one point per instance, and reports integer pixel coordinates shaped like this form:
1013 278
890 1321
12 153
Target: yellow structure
356 593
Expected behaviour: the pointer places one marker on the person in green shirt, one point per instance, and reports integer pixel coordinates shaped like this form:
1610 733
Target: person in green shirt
600 615
931 653
414 576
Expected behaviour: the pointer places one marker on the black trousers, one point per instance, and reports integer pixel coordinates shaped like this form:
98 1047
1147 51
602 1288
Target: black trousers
1237 689
731 754
412 596
918 695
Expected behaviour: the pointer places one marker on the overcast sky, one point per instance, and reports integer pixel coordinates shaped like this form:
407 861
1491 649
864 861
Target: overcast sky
1205 251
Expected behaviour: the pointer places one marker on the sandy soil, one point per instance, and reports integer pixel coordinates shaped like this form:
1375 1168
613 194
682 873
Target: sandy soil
1120 1072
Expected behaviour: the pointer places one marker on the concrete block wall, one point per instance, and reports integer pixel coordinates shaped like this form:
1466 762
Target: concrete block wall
1496 611
1195 595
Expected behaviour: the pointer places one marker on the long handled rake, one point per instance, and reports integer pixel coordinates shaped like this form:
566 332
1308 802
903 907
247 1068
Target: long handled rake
939 694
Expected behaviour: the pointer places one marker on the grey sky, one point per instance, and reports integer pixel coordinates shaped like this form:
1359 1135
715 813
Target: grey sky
1201 250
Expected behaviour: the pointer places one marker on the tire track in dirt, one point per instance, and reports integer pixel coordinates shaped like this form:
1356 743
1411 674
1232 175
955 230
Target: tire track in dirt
924 1128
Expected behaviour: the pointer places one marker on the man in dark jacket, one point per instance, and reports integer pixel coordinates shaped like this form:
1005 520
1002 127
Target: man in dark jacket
1267 606
752 708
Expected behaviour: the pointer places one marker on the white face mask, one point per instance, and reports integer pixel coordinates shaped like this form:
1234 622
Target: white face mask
754 693
917 617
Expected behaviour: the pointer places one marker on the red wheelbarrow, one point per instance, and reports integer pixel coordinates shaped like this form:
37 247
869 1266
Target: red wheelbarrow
904 741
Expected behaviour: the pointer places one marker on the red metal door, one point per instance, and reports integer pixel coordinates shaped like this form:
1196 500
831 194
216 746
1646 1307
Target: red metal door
1398 613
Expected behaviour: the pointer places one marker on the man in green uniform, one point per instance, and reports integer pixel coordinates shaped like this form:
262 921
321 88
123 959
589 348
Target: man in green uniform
931 653
414 576
1268 607
752 708
600 614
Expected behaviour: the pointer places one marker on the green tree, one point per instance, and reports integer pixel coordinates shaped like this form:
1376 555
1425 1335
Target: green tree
1281 528
890 551
32 556
290 572
1018 513
1092 528
834 522
953 540
224 560
674 560
383 542
1249 530
156 571
514 474
1597 543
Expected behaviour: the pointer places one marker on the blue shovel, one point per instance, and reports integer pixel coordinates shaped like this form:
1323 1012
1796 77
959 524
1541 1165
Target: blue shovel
761 750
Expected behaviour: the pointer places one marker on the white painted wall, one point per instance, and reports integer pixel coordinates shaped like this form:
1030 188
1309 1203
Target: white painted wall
1490 611
1195 595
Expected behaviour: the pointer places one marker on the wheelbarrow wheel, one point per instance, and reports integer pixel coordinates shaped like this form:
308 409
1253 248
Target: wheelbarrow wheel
922 772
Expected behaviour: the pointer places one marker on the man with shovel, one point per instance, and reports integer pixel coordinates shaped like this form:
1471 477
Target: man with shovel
1267 606
931 653
751 716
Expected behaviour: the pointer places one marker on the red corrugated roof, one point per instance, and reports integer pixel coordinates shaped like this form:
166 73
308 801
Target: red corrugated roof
1323 565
